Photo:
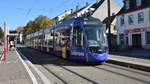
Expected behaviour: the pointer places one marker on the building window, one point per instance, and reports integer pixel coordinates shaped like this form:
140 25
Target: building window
145 2
147 37
122 20
138 2
127 4
148 2
131 19
140 17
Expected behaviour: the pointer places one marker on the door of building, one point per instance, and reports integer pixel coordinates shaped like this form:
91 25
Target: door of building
136 40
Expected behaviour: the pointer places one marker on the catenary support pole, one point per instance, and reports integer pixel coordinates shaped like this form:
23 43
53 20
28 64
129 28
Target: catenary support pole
5 42
109 25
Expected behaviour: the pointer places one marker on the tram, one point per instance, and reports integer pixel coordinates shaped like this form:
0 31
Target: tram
81 39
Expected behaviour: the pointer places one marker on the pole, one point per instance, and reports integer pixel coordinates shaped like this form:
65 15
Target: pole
5 42
108 25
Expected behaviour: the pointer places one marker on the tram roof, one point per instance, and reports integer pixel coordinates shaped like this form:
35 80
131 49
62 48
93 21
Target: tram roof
87 20
66 23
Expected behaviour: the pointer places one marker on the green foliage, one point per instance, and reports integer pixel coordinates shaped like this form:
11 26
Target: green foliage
1 33
43 21
39 23
30 27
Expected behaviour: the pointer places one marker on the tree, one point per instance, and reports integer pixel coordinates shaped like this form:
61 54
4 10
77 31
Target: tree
43 22
1 33
39 23
30 27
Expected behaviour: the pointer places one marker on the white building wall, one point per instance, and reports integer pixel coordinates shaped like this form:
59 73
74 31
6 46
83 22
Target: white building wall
130 39
118 29
85 10
135 25
102 12
61 16
143 38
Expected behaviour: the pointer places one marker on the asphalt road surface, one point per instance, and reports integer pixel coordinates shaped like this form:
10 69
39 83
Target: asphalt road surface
60 71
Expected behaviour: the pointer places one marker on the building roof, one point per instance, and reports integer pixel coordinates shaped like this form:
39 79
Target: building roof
102 10
20 29
98 10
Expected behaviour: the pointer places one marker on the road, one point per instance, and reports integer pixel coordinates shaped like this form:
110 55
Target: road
60 71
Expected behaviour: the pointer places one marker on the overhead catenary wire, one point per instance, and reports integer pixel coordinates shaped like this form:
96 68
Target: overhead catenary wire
58 6
30 9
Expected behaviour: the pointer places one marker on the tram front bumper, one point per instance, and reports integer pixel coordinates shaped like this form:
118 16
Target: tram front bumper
97 57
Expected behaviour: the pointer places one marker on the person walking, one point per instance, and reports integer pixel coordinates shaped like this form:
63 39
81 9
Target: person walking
11 45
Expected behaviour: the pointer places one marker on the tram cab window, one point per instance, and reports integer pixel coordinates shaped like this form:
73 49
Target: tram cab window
77 36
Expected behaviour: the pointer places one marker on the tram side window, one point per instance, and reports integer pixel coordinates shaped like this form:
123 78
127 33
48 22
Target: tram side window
40 39
50 38
77 37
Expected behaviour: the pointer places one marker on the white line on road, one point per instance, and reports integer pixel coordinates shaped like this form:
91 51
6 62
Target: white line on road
42 76
34 80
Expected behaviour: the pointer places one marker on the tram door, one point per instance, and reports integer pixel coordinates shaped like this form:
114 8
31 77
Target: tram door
77 42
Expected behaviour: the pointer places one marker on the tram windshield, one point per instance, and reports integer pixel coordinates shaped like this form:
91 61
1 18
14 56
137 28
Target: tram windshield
96 36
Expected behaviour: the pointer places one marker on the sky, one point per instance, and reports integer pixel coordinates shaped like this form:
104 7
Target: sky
17 13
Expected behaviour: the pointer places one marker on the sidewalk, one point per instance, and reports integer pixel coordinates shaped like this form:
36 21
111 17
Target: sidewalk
13 71
139 59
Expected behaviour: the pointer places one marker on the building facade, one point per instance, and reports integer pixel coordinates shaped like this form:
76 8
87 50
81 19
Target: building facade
19 37
133 24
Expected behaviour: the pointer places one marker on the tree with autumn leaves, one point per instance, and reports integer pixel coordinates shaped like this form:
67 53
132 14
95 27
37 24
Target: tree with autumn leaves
39 23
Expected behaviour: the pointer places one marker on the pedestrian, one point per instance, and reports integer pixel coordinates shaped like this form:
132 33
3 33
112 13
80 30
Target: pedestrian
11 46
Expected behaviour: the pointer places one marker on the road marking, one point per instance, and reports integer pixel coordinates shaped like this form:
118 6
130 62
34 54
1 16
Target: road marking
41 75
34 80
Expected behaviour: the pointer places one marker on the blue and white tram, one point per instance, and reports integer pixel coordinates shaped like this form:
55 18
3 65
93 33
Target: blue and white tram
81 39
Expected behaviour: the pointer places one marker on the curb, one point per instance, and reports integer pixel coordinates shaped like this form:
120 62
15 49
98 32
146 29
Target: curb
131 64
40 74
33 78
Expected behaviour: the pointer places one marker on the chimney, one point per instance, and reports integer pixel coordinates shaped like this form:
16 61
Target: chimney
87 3
77 7
89 12
65 11
126 4
97 1
71 11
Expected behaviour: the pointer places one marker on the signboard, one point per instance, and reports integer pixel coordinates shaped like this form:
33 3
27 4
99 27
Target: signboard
137 30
